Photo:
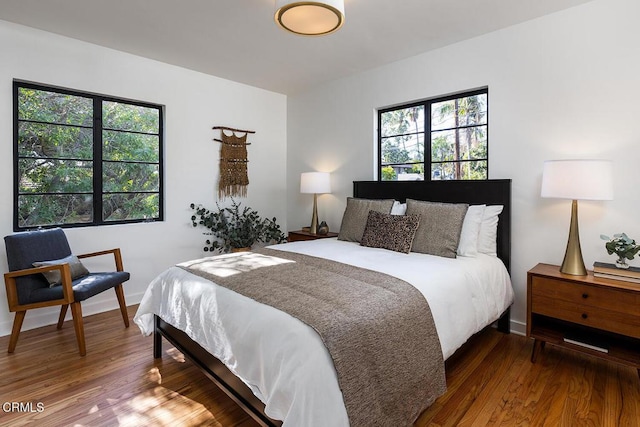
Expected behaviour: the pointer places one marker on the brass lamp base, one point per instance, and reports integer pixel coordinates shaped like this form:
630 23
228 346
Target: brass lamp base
314 217
573 263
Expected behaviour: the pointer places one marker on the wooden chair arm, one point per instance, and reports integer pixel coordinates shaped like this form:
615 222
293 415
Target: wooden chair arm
12 285
116 255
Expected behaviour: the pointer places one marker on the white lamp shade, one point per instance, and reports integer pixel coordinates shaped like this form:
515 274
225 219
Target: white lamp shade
310 18
315 182
577 179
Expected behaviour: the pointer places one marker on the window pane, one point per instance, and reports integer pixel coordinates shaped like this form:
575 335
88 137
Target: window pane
471 110
442 146
53 107
442 171
44 140
54 176
459 170
34 211
118 207
121 116
123 146
403 121
404 172
130 177
401 149
468 143
474 170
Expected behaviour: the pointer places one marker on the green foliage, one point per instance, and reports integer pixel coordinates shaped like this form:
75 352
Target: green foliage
457 138
402 134
621 245
56 163
388 174
235 228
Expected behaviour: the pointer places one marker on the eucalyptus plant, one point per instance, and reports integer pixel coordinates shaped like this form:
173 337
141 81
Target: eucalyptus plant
232 227
621 245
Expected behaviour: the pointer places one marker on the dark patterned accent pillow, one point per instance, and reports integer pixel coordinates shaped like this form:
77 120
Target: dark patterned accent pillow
355 216
393 232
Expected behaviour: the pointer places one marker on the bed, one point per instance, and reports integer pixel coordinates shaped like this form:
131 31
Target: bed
193 342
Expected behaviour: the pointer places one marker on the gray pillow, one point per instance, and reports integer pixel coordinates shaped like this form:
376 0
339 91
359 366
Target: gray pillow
355 216
387 231
440 227
53 277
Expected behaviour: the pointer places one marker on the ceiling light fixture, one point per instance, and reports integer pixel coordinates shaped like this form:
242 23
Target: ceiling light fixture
310 18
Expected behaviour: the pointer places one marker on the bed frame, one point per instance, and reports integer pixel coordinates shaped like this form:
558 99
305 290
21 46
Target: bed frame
490 192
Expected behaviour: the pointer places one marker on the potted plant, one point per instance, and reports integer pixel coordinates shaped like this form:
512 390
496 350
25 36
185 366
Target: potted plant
623 246
234 229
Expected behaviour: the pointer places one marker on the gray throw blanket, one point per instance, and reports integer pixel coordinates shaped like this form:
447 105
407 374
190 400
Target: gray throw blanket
378 329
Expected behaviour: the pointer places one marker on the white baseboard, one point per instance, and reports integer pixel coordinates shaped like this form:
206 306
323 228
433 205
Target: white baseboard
49 316
518 328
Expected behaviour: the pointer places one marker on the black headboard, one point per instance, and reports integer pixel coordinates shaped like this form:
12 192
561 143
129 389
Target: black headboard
489 192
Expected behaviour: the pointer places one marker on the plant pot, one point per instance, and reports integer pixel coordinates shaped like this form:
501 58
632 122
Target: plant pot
245 249
622 263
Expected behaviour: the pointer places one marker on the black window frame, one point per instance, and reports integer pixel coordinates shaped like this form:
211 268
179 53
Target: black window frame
427 103
97 160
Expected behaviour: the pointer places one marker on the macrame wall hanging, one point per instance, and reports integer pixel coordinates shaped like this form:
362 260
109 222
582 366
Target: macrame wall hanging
233 162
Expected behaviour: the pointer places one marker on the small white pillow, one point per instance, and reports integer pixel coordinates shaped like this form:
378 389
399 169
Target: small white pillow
398 208
487 239
468 245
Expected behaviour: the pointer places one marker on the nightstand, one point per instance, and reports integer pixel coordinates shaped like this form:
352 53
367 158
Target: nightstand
600 317
296 236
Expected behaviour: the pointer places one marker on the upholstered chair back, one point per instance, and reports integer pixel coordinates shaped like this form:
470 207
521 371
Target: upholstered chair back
23 249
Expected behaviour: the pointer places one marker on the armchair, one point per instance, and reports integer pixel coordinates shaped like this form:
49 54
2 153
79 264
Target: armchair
27 287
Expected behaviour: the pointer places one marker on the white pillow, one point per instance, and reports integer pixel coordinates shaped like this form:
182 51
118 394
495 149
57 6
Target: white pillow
468 245
489 230
398 208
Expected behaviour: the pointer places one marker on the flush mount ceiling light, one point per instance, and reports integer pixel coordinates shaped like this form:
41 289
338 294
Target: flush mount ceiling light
310 18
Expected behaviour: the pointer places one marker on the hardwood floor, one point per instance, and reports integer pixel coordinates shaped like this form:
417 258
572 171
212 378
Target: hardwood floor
118 383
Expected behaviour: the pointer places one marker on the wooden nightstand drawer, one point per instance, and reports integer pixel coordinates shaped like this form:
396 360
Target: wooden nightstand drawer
586 295
588 315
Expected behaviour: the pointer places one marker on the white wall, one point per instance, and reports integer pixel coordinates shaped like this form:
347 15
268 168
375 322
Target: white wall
194 103
561 86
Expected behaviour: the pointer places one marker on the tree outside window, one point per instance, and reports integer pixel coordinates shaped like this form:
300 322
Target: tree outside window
456 128
85 159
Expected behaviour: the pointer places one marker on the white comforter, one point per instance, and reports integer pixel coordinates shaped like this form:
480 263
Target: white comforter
282 359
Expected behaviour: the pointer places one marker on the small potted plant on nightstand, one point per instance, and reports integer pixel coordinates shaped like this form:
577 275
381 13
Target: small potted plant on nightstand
623 246
234 229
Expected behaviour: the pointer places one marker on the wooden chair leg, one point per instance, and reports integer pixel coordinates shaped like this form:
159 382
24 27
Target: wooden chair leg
63 313
123 306
76 311
15 332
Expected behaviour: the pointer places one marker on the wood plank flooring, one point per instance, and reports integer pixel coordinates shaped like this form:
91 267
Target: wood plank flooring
118 383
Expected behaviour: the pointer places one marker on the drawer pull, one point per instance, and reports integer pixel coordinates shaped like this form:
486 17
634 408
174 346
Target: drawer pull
584 315
585 296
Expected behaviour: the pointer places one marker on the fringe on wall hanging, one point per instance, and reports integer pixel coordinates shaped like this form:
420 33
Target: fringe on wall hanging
234 179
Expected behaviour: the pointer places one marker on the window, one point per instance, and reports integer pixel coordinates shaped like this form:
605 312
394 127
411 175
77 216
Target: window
456 129
82 159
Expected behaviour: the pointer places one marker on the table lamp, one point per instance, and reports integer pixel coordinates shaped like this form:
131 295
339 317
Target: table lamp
576 180
315 183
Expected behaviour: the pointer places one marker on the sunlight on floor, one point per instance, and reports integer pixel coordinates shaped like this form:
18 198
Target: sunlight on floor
158 407
176 355
155 376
